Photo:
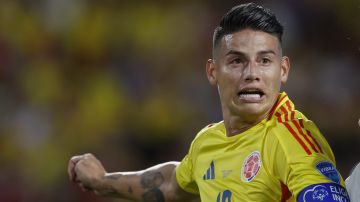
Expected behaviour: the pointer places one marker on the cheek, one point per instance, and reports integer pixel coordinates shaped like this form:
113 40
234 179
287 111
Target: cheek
272 77
227 83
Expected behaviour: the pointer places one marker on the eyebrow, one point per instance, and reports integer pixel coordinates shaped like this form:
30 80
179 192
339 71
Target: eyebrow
234 52
264 52
267 52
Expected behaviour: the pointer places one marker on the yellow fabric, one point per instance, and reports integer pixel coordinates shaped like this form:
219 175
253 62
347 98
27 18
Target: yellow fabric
282 158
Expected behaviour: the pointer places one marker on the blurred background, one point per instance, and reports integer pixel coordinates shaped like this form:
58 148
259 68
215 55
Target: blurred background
125 80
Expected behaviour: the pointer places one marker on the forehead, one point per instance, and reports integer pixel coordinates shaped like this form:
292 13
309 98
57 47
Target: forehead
249 41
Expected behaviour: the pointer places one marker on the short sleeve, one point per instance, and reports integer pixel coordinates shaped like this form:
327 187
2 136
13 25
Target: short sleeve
184 175
303 157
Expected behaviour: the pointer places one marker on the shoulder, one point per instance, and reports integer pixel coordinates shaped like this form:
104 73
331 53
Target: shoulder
299 136
210 131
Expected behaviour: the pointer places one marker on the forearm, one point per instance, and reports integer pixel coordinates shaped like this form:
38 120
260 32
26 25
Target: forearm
153 184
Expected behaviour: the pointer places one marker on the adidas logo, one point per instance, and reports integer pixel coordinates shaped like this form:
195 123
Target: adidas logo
210 173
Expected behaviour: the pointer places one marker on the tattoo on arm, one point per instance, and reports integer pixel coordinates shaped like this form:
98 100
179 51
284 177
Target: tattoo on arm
153 195
151 181
108 190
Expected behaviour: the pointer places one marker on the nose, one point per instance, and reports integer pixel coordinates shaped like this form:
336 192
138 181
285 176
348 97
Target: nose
250 72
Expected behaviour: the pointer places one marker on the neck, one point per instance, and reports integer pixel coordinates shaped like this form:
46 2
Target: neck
236 124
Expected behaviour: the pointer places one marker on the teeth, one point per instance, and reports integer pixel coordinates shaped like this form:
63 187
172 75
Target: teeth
254 96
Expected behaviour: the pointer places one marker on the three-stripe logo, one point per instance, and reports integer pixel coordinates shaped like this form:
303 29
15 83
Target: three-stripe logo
210 172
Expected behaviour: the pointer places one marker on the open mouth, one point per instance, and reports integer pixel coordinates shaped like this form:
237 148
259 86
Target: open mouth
251 94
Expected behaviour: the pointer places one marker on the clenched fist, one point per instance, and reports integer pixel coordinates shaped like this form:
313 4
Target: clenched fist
87 171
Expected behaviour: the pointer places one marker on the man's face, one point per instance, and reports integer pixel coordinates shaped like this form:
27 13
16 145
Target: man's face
248 69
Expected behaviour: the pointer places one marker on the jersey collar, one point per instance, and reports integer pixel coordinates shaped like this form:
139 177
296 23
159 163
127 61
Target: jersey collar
282 105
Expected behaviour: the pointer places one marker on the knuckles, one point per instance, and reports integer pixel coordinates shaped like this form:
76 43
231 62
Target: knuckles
85 171
89 156
81 159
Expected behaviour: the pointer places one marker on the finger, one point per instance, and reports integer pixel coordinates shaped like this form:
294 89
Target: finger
71 167
70 170
76 159
89 156
78 171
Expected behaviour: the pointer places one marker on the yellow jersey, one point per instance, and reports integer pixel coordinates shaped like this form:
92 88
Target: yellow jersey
283 157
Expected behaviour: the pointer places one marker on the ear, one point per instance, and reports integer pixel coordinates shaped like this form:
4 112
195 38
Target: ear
285 68
210 72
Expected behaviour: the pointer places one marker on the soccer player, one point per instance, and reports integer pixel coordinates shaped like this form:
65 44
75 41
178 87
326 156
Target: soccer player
263 150
353 182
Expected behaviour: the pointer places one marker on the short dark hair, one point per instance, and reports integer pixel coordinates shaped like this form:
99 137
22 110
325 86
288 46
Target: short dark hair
251 16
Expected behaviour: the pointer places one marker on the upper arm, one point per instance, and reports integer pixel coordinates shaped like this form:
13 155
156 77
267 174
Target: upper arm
307 163
158 183
175 192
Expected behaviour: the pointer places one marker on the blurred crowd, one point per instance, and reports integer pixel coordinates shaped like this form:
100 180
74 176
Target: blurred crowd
125 81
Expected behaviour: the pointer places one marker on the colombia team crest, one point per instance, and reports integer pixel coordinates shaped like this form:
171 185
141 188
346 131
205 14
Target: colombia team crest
251 167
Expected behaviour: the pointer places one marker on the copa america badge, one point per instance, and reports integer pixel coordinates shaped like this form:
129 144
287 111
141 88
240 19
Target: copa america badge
251 167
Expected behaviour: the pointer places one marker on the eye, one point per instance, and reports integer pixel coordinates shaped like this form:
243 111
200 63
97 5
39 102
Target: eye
236 61
265 61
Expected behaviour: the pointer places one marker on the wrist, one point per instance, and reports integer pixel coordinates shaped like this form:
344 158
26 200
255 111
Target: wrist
105 185
98 182
100 185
